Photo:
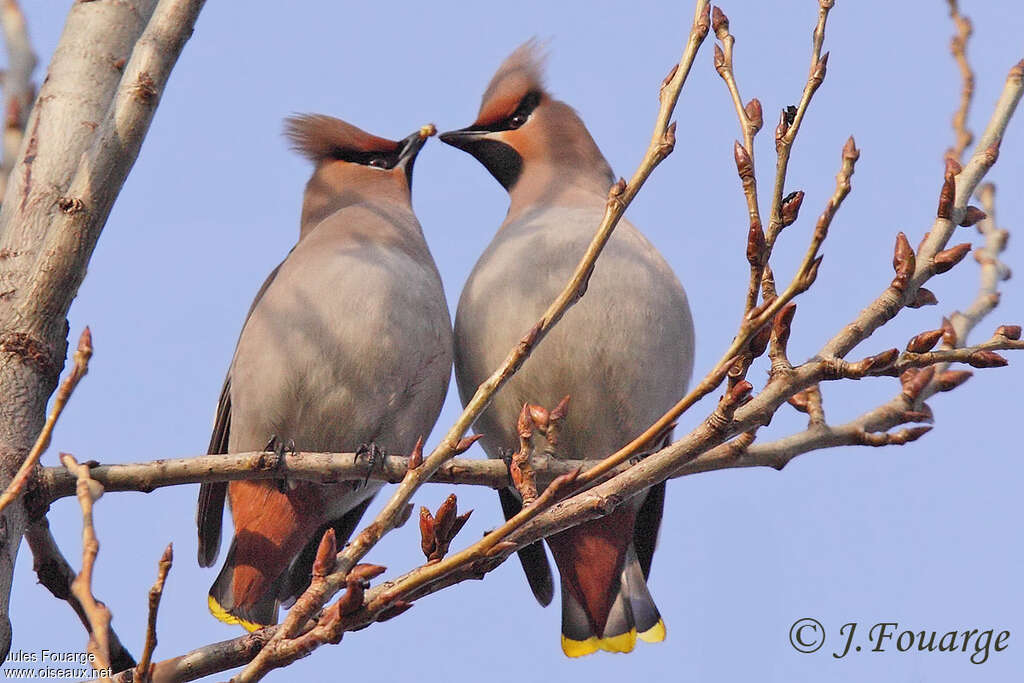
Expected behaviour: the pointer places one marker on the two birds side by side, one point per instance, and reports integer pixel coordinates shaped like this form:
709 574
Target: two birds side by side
349 342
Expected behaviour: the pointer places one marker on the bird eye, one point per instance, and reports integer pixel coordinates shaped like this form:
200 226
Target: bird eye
517 120
378 162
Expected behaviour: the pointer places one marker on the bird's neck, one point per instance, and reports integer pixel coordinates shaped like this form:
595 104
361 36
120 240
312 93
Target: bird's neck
328 192
556 185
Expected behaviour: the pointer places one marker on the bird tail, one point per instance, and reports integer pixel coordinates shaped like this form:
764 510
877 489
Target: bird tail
250 614
633 615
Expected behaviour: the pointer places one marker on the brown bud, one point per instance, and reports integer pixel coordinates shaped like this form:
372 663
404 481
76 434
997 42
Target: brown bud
561 410
759 342
618 188
719 60
912 434
948 333
953 167
365 571
524 424
464 443
352 599
404 516
947 194
460 522
743 164
754 114
971 216
782 323
922 297
903 262
812 273
85 343
539 416
925 341
1011 332
396 608
444 520
819 71
416 457
945 260
670 76
986 359
880 361
923 415
563 482
530 338
755 243
850 151
427 532
326 554
951 379
800 401
791 207
992 153
719 22
740 392
916 383
668 143
703 22
781 130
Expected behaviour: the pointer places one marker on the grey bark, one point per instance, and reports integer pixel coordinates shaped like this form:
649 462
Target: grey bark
82 137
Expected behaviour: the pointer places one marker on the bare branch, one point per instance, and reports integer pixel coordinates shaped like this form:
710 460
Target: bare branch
17 84
958 47
155 593
89 491
56 574
81 358
81 142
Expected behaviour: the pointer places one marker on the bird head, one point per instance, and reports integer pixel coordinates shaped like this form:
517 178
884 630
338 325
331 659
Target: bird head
352 152
351 165
522 130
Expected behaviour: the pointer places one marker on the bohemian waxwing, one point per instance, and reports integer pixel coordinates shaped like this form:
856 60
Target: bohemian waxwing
624 353
348 342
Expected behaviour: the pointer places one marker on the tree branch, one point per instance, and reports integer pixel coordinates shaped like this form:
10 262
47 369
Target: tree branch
17 84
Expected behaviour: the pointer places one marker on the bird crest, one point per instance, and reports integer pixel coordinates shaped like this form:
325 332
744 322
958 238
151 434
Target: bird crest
319 137
522 72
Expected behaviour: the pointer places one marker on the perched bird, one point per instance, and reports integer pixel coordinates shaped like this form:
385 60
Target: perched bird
624 353
348 342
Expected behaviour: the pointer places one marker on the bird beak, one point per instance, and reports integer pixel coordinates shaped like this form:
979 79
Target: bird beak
464 138
412 145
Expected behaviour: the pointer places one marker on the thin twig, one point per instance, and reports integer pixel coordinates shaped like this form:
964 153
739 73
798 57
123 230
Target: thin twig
81 359
958 47
155 593
55 573
89 491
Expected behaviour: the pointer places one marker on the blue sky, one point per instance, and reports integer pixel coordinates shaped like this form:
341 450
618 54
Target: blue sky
926 535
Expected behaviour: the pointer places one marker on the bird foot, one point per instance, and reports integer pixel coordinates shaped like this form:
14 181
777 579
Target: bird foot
280 448
376 459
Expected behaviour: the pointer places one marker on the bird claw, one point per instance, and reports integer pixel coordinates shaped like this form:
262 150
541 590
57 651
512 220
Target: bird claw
279 448
376 459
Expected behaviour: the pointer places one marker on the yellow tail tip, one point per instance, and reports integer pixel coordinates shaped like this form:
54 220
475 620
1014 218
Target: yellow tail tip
222 614
654 634
624 642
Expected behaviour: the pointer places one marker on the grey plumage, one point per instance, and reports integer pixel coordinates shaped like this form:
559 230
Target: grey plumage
349 342
624 353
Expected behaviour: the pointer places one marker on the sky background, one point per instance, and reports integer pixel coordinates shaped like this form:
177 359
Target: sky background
926 535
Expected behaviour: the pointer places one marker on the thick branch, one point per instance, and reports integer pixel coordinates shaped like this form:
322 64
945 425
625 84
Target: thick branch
17 85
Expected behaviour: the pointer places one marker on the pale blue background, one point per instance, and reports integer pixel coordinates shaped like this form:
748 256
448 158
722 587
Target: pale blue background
926 535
